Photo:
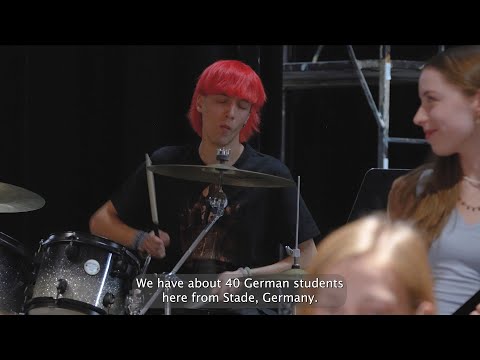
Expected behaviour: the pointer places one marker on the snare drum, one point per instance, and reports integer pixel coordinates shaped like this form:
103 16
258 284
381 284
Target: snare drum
14 271
80 273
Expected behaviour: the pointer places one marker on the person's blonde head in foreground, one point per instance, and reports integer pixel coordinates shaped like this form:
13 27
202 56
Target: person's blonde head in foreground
385 267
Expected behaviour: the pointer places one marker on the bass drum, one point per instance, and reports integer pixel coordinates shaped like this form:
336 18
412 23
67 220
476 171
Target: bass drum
80 273
15 268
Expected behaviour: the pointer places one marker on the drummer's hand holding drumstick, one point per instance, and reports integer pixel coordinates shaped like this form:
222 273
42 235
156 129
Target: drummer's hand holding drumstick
228 282
154 245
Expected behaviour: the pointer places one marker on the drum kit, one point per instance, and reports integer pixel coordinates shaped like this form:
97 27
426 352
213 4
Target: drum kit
76 273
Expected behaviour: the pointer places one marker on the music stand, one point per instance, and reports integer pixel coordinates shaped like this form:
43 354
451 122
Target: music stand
373 192
469 306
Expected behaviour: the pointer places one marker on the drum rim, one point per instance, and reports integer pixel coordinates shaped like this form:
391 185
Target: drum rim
104 242
12 244
62 303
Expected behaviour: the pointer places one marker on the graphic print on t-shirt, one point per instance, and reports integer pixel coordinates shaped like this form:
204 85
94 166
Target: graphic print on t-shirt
219 243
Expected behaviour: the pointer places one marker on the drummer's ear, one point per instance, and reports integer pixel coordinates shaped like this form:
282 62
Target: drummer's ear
199 103
248 117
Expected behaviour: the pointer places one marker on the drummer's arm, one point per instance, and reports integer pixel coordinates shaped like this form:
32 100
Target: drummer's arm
106 222
307 253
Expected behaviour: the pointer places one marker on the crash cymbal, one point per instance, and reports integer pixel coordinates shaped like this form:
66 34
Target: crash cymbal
287 275
15 199
231 175
295 272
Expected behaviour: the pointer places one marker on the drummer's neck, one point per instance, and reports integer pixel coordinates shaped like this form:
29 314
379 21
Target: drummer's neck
208 152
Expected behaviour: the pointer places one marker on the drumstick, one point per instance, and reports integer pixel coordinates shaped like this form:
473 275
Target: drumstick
153 205
151 193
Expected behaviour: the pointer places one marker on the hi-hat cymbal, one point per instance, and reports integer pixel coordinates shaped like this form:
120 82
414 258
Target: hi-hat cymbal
15 199
230 175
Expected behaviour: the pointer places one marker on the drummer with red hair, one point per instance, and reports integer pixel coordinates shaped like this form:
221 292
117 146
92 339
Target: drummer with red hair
225 112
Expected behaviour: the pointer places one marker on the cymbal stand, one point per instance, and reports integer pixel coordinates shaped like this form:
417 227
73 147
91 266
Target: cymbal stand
295 252
218 202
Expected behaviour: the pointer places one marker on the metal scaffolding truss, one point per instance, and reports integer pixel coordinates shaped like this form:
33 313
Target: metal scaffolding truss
315 74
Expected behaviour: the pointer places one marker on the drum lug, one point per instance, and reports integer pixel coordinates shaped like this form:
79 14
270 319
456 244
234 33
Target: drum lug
72 251
61 286
108 299
119 268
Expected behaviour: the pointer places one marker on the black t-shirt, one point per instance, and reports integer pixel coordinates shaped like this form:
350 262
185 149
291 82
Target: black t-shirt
253 225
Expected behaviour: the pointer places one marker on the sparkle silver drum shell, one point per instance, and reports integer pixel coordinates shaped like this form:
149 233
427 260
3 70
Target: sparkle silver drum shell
80 273
15 269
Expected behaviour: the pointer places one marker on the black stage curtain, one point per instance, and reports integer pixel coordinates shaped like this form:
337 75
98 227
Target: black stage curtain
76 120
